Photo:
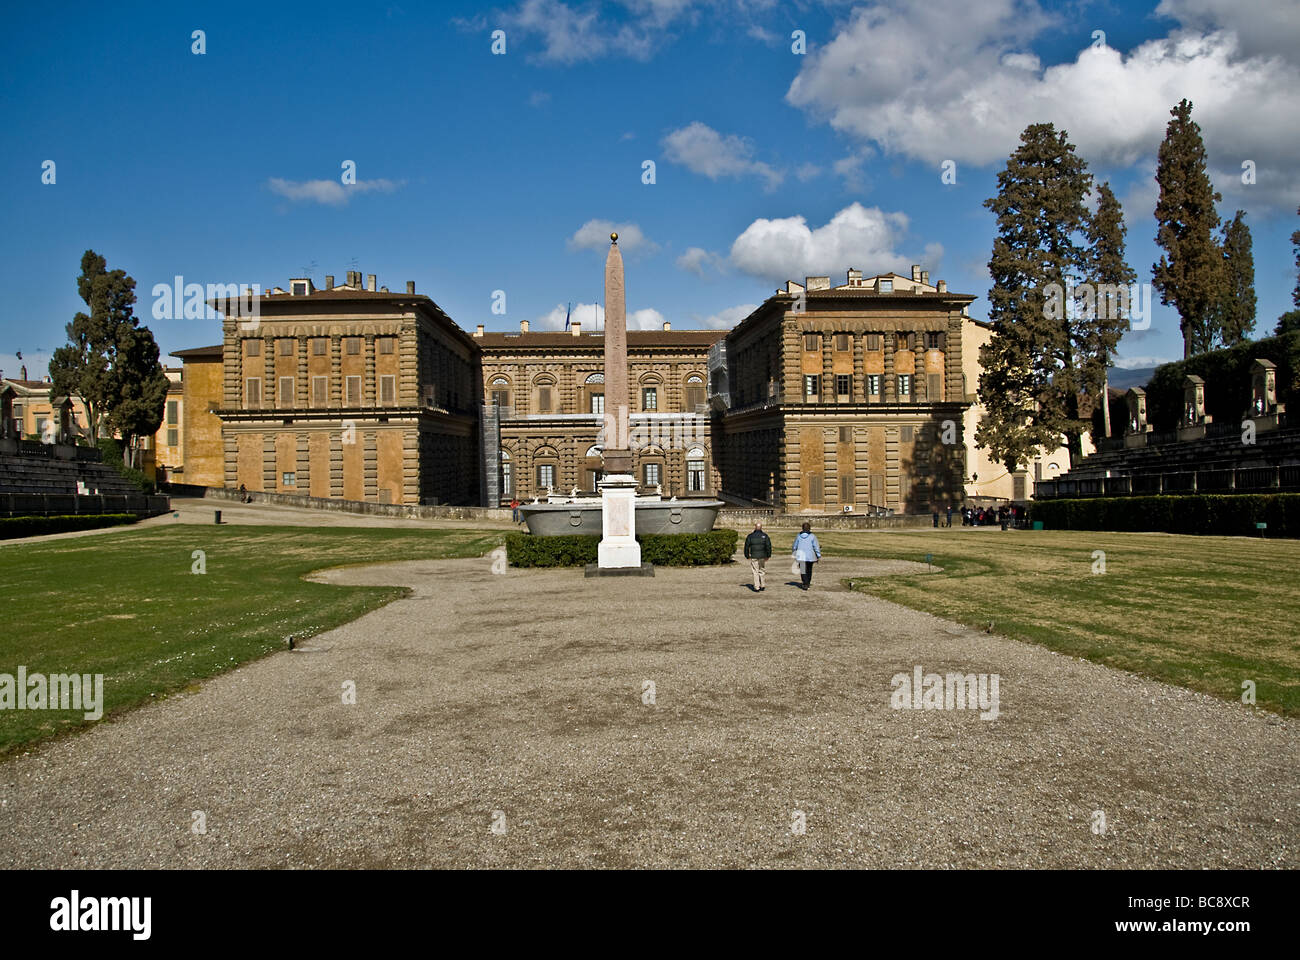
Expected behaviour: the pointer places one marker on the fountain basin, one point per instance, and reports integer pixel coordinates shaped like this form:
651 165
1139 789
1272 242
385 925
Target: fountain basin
652 516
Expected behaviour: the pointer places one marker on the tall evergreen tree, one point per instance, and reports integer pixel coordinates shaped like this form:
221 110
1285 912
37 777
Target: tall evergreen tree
1111 279
1290 320
1188 272
142 388
1038 362
1234 313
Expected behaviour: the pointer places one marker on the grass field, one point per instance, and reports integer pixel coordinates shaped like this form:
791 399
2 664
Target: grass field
1203 612
128 606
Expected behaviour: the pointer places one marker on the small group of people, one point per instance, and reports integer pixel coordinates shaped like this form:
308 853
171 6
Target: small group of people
804 552
1005 516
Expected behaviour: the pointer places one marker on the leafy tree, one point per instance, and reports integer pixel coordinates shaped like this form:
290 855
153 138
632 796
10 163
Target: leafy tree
1111 279
1046 357
1234 313
110 361
1290 321
1188 272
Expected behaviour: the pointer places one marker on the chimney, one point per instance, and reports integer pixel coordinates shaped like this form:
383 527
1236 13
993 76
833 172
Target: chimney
943 286
523 326
668 325
479 331
410 286
370 282
925 277
576 327
22 372
916 273
329 281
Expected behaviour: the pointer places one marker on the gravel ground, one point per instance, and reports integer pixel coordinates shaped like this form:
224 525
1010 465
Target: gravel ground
517 699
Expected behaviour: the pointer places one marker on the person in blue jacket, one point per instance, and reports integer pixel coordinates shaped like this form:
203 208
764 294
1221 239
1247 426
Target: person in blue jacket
807 551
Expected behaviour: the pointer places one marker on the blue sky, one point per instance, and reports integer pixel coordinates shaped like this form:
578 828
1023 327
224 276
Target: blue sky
479 172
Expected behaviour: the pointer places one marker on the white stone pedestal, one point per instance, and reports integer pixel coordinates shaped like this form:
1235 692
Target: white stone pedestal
618 546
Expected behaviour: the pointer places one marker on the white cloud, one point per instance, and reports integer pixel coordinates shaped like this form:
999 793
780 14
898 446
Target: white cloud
592 318
696 259
571 35
594 235
329 192
701 149
1262 26
807 171
850 169
901 78
725 319
863 237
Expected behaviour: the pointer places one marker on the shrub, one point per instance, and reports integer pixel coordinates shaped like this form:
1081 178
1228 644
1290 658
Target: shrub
1213 515
112 451
661 549
14 527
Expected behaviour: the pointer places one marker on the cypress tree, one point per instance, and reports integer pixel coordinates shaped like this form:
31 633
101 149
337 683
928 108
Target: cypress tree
1234 316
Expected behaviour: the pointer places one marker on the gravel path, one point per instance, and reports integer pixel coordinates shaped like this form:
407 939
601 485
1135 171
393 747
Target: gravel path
518 699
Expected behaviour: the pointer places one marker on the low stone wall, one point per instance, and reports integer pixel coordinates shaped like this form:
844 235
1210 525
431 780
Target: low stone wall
76 504
831 521
355 506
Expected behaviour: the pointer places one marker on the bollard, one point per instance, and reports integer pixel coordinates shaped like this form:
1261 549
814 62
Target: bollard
218 517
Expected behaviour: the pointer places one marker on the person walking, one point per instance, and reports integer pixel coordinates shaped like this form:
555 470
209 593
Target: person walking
514 510
758 547
948 518
807 551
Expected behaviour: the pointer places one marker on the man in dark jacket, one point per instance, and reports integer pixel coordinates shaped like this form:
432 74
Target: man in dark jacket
758 548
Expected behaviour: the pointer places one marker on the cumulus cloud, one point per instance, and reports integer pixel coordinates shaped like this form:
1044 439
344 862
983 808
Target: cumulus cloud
329 192
701 149
1262 26
594 235
863 237
807 171
592 317
572 34
725 319
696 259
897 76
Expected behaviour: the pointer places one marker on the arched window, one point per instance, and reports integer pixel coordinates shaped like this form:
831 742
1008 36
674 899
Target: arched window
593 390
500 388
694 392
696 472
544 394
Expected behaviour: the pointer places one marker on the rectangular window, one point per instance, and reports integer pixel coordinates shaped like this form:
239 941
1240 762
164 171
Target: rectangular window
695 476
353 346
597 403
253 392
254 348
841 342
319 391
507 485
934 388
171 412
694 396
901 341
649 398
887 286
873 384
846 434
812 342
846 489
652 473
386 345
286 392
388 388
873 341
501 398
905 434
812 385
543 399
545 476
289 479
934 340
904 385
815 493
286 347
173 438
353 391
843 385
319 347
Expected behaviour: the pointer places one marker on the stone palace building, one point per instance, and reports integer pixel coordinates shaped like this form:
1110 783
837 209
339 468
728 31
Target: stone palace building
825 398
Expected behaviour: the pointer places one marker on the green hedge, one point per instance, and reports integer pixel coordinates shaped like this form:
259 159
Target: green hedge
13 527
1208 515
660 549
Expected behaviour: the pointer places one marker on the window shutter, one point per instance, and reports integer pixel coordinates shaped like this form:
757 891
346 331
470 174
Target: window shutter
544 400
815 494
934 388
846 434
846 489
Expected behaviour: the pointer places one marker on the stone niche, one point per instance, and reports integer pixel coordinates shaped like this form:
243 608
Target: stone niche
1192 424
1264 408
1137 428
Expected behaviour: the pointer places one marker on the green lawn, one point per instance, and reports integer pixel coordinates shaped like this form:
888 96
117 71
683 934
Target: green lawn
128 606
1203 612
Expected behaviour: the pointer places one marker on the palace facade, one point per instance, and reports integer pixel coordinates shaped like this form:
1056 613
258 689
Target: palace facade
826 398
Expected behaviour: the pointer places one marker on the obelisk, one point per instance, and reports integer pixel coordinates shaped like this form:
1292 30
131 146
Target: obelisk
618 547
